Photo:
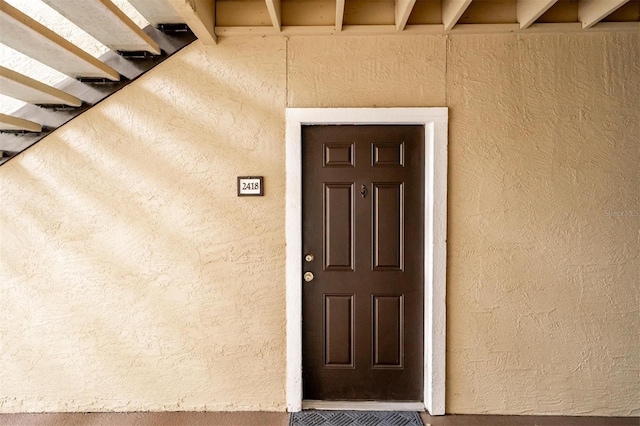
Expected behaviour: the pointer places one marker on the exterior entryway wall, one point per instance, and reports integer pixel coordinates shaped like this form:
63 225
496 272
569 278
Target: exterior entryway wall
132 277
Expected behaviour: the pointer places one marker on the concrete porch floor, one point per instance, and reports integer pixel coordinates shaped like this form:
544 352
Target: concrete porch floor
281 419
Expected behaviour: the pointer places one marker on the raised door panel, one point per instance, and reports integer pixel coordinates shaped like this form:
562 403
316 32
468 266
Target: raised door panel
338 331
338 227
338 155
387 154
388 226
388 331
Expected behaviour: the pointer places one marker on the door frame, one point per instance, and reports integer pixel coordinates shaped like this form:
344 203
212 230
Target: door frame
435 121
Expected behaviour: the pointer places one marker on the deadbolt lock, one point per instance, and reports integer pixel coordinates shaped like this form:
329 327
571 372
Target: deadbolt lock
308 276
309 257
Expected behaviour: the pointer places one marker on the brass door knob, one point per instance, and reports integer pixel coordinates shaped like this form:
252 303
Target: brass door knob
308 276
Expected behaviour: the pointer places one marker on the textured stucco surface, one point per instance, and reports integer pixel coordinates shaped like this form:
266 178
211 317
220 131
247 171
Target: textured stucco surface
543 268
133 278
366 72
543 294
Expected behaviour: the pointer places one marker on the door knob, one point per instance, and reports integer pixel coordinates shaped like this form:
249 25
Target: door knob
309 257
308 276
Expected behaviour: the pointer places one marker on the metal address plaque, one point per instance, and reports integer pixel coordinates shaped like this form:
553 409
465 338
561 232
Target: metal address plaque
250 186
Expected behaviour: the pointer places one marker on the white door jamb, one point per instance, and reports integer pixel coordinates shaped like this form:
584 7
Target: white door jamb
435 121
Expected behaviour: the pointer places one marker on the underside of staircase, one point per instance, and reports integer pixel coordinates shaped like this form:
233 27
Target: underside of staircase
132 52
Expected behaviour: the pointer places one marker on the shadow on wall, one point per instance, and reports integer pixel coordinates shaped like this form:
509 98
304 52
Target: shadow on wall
136 279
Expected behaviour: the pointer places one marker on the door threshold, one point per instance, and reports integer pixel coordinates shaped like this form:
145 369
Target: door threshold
313 404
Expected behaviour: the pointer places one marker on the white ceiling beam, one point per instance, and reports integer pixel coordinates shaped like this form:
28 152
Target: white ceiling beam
527 11
200 16
9 122
590 12
106 23
157 12
403 11
275 13
452 10
26 89
339 14
24 34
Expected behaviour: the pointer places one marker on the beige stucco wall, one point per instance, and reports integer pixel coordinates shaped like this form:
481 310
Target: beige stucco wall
133 278
544 277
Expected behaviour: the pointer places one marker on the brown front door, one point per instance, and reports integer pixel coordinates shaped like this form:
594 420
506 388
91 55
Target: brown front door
363 214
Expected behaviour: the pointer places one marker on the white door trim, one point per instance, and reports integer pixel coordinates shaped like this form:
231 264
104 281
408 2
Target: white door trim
435 121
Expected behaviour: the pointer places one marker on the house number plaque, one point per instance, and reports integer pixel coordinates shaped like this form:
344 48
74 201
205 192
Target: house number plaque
250 186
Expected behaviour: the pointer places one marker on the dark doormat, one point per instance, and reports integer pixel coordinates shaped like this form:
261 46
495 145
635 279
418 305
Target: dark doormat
355 418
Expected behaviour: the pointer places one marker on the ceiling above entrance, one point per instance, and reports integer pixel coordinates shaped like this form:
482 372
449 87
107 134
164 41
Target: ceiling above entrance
376 17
